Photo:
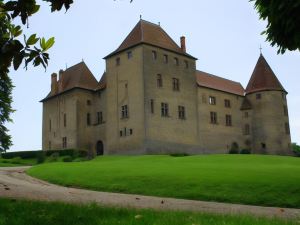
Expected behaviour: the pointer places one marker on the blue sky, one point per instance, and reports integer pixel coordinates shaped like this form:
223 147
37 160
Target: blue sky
223 35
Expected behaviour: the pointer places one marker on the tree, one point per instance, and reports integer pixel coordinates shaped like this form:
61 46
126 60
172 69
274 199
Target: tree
13 51
283 29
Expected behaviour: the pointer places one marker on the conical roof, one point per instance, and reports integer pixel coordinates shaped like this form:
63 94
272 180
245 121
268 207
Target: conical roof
149 33
263 78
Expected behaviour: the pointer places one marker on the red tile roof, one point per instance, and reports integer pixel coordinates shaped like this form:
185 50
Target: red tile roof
77 76
219 83
263 78
149 33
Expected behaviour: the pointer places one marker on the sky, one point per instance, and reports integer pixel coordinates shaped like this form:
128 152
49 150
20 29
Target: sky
225 36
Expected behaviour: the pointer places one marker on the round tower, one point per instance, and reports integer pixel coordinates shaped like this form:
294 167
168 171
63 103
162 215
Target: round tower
268 126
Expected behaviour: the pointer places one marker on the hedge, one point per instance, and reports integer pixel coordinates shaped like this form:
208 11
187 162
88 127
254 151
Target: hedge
34 154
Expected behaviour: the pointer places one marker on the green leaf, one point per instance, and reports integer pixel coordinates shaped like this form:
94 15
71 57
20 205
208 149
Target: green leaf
49 44
32 40
18 60
43 43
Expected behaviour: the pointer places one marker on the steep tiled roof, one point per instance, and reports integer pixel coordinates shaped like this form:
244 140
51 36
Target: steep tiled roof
149 33
77 76
219 83
263 78
102 82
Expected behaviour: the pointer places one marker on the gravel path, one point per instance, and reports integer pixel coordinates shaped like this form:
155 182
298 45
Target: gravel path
14 183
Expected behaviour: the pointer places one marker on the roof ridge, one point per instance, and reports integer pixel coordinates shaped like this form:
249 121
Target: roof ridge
220 77
146 21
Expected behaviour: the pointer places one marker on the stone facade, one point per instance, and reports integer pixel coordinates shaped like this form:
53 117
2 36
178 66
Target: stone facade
152 100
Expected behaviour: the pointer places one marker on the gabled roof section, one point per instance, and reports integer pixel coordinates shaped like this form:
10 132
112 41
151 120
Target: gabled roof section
102 82
246 104
80 76
149 33
218 83
77 76
263 78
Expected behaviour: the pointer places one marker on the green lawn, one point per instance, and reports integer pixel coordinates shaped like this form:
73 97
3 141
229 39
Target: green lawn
247 179
14 212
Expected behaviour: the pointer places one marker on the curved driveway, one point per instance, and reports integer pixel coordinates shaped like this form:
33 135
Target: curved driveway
14 183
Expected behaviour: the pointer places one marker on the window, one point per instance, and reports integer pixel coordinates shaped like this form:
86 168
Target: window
176 61
154 55
131 131
285 110
287 128
247 129
164 109
246 114
88 119
88 102
129 54
204 98
186 64
118 61
126 85
166 59
181 112
50 125
175 84
212 100
124 111
263 145
258 96
65 120
121 133
99 117
213 117
152 106
159 80
228 120
64 142
227 103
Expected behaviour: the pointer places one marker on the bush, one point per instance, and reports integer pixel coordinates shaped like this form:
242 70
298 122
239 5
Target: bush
245 151
16 160
68 158
41 157
234 149
296 149
23 155
54 157
179 154
34 154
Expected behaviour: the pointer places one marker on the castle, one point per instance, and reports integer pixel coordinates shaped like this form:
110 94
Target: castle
152 100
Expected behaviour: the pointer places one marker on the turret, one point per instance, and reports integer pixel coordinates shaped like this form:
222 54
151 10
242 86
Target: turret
266 122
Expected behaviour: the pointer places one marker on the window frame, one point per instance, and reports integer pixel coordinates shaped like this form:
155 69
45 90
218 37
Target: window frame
176 84
213 118
164 109
181 112
228 120
227 103
212 100
124 112
159 81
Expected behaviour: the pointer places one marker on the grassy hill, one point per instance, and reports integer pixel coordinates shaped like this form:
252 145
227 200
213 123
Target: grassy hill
247 179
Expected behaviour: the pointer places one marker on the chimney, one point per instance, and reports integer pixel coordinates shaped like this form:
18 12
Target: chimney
54 85
60 81
182 42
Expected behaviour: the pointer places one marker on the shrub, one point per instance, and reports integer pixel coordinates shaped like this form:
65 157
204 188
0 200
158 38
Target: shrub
54 157
234 149
41 157
23 155
68 158
296 149
245 151
16 160
179 154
